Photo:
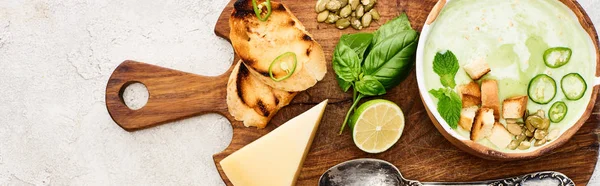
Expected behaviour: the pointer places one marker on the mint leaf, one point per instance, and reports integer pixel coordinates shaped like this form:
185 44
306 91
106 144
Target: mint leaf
446 66
439 93
449 105
369 86
391 27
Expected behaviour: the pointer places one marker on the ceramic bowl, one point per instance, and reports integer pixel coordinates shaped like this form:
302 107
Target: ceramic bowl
476 148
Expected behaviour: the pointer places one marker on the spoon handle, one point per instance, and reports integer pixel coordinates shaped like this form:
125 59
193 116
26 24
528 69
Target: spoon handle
546 178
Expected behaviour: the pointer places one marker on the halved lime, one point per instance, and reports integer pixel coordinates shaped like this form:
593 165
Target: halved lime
377 125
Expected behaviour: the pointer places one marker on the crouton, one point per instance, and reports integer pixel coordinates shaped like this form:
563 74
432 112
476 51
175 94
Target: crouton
477 69
467 115
489 96
471 89
484 122
514 107
500 136
469 101
470 94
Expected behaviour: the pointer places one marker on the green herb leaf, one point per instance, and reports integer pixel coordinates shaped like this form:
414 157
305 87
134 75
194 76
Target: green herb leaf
449 105
359 42
369 86
446 65
346 63
391 60
391 27
345 85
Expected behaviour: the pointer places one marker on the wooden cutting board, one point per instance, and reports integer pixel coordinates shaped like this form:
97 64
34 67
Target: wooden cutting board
421 154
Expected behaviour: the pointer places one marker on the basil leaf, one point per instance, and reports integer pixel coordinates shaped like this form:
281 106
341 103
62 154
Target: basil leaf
449 105
391 60
369 86
446 66
345 85
391 27
359 42
346 63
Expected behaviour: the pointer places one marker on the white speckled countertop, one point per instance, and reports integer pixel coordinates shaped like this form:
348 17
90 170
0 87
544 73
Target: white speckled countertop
55 60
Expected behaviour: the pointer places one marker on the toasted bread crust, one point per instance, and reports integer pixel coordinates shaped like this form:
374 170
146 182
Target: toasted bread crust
500 136
251 101
477 69
470 94
467 115
481 128
258 43
471 89
489 96
514 107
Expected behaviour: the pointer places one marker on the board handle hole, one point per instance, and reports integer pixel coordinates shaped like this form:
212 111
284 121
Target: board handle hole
134 94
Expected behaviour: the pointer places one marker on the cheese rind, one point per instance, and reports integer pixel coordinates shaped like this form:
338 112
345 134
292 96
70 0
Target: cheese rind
276 158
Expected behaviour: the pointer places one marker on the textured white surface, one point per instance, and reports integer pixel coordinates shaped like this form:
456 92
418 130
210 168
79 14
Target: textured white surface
55 60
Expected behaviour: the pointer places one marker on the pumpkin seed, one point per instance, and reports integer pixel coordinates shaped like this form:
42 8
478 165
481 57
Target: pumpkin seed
366 19
528 133
332 18
535 121
375 14
346 11
540 134
539 142
353 14
360 11
520 137
524 145
333 5
321 5
545 124
514 128
321 17
342 23
354 4
343 2
365 2
513 144
370 5
355 23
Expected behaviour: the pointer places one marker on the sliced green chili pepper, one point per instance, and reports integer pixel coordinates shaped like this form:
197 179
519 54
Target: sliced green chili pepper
289 71
573 86
542 89
557 56
258 11
558 111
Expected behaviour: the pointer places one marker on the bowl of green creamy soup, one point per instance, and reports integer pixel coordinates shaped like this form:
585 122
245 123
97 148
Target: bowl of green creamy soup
508 79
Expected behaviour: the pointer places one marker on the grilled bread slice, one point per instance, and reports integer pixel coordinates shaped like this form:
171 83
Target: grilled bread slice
258 43
251 101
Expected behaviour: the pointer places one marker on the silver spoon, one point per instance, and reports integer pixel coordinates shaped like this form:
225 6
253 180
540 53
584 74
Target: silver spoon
374 172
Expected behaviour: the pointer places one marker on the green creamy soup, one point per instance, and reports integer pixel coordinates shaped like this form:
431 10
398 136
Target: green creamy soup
511 36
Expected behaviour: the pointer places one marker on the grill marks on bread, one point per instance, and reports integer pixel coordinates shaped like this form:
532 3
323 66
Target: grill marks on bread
258 43
251 101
